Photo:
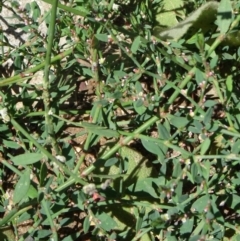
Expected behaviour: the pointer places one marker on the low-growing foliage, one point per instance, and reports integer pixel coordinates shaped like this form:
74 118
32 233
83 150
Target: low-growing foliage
120 121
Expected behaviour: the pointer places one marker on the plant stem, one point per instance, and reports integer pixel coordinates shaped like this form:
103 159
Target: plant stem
11 167
131 203
49 128
45 152
27 74
15 210
53 228
123 142
191 73
140 235
68 9
221 37
94 56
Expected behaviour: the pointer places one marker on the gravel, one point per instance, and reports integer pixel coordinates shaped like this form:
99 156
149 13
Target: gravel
15 35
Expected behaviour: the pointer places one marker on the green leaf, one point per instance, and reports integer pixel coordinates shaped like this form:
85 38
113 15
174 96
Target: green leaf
199 76
205 168
236 237
71 237
11 144
235 201
177 171
178 122
201 203
187 226
87 71
32 192
138 103
86 224
195 238
163 132
111 162
235 147
140 216
194 171
204 146
80 11
139 106
43 233
106 222
214 62
200 41
210 103
196 127
22 187
228 56
203 18
135 159
36 12
18 62
99 130
208 116
224 15
138 87
136 44
215 207
152 147
26 159
146 185
171 238
229 85
81 199
168 11
179 190
102 37
43 174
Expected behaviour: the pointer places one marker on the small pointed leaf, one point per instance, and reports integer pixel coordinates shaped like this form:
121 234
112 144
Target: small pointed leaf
136 44
22 187
27 158
224 15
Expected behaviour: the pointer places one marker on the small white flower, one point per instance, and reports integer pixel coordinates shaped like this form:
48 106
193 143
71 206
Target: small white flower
165 216
106 184
7 195
98 19
120 37
191 113
89 188
31 176
109 38
61 158
115 7
184 92
101 60
3 111
188 162
50 112
4 114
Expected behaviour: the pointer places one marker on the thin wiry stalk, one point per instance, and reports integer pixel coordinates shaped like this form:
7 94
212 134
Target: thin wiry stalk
49 217
28 73
49 128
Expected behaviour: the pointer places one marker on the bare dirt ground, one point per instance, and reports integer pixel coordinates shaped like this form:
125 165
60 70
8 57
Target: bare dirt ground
16 36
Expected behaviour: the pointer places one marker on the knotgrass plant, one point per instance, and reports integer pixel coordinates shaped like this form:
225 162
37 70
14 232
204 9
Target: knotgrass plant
161 125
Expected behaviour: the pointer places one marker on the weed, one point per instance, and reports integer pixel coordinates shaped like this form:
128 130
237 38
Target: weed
119 121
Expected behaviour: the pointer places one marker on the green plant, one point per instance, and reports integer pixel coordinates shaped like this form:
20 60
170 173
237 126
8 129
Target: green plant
133 132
